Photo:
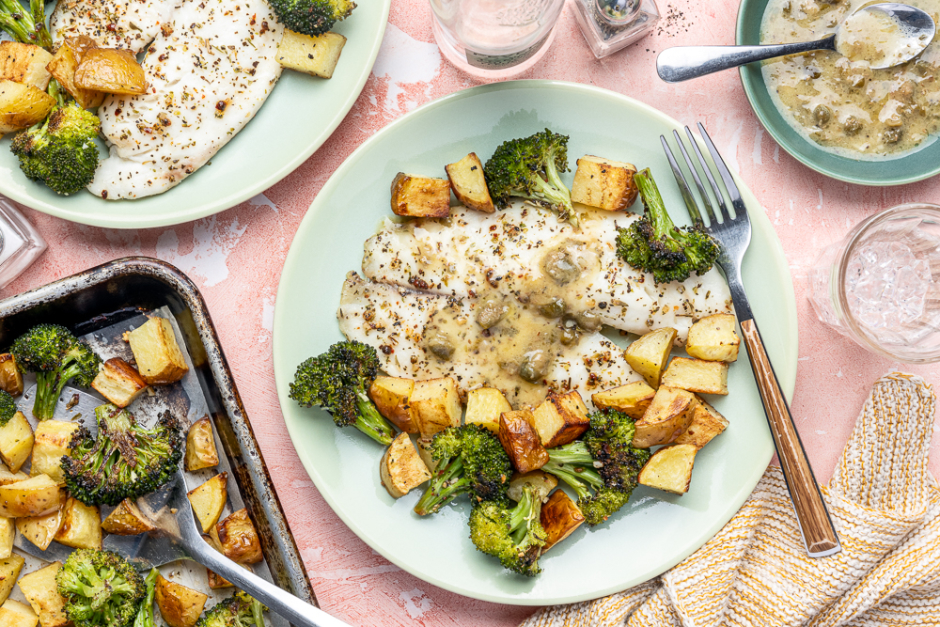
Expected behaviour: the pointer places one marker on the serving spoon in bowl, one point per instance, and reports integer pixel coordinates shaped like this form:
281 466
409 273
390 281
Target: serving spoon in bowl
885 34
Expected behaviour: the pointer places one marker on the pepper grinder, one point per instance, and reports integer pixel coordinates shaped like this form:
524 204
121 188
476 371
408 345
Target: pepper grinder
612 25
20 243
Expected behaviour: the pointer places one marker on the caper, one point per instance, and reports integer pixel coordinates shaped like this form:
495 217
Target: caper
441 346
822 114
559 265
851 125
555 308
491 310
892 135
534 366
569 336
813 72
589 321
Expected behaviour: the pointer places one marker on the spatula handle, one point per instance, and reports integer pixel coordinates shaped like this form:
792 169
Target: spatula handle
819 534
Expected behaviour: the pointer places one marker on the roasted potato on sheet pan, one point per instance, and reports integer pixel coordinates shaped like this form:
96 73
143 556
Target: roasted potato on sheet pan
179 606
7 535
81 526
560 517
40 590
200 446
420 197
126 520
604 183
519 437
436 405
22 105
632 399
697 375
51 443
10 568
561 418
713 338
7 477
119 382
484 407
32 497
392 397
649 353
16 614
11 379
40 530
238 539
469 185
402 468
316 56
670 468
668 415
208 500
158 356
16 441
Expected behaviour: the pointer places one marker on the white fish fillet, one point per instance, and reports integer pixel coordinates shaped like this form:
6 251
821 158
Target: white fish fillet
397 321
129 24
208 74
503 252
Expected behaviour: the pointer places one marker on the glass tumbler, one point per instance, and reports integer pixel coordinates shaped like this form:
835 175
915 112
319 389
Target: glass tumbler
880 286
494 39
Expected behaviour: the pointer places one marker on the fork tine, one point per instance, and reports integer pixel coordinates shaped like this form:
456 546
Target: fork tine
698 182
708 174
732 188
680 180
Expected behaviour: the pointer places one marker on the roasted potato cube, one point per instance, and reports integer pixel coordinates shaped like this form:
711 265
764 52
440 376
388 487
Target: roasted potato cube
706 425
7 477
424 452
119 382
436 404
24 63
127 520
402 468
11 379
560 517
632 399
40 590
316 56
561 419
32 497
604 183
420 197
111 70
156 352
542 482
697 375
668 415
40 530
649 353
22 105
392 396
208 500
179 606
9 570
81 526
52 439
484 407
238 539
469 184
713 338
520 438
217 582
16 441
7 535
16 614
200 446
63 66
670 468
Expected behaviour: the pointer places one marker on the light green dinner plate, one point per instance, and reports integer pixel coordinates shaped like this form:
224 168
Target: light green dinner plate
909 168
655 530
301 113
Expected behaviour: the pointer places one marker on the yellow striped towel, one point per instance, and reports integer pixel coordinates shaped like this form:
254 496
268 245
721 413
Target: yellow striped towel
755 572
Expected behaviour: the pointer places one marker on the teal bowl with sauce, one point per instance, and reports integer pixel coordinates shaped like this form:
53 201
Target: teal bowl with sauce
908 168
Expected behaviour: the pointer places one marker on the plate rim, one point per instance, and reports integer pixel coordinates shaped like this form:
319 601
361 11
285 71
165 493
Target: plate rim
170 218
749 91
787 377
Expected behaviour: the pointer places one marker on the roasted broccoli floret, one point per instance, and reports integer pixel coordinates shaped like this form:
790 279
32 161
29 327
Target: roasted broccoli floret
471 461
101 589
7 407
60 151
337 381
602 467
654 244
57 357
239 610
125 460
25 25
145 611
311 17
513 534
529 168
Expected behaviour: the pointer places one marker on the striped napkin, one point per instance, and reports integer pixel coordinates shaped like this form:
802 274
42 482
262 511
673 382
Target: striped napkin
755 572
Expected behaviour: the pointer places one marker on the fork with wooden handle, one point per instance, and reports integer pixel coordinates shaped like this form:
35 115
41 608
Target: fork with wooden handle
734 235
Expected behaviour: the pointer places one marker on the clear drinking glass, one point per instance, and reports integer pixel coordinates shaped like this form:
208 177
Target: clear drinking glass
494 39
880 286
20 243
612 25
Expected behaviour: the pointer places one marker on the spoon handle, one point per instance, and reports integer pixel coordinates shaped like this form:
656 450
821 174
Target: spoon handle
684 62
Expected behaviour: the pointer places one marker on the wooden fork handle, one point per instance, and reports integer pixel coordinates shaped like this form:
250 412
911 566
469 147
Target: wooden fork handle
819 535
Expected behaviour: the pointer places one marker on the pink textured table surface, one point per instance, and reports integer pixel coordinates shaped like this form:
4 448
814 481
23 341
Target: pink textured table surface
236 259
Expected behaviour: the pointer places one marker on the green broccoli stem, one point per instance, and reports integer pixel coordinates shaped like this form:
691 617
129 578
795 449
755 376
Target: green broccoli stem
443 488
257 610
25 27
522 514
371 422
145 613
557 193
654 204
574 464
46 395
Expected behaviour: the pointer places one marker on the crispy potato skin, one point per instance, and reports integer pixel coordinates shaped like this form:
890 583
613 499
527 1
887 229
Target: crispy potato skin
521 440
420 197
16 442
604 183
81 526
158 356
11 379
670 468
392 397
24 63
633 399
469 184
316 56
200 446
484 407
63 64
208 500
561 419
402 468
697 375
668 415
648 354
35 496
40 590
560 517
238 539
706 425
9 570
16 614
436 403
126 520
119 382
51 443
179 606
40 530
22 105
110 70
714 338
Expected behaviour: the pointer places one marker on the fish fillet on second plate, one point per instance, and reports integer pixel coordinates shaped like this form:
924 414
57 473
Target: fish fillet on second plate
208 72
